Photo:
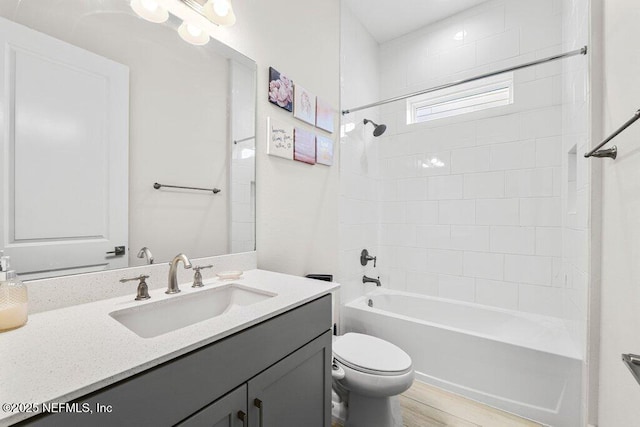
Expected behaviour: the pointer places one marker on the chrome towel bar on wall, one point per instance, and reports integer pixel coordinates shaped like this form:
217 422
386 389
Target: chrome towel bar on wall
159 186
613 151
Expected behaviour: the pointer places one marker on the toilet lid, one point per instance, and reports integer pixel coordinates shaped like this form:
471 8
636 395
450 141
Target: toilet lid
370 353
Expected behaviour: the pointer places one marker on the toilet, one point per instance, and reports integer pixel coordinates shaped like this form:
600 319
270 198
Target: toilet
368 374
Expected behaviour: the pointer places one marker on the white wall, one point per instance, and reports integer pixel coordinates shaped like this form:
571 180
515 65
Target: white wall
619 393
297 204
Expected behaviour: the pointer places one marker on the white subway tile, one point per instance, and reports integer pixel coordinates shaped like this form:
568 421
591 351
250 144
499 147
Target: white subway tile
397 234
497 293
513 240
475 159
444 261
542 123
456 287
410 258
433 236
485 185
498 212
513 155
498 47
457 212
421 212
445 187
541 212
495 130
549 241
422 283
485 24
392 212
484 265
469 237
537 93
434 164
529 269
529 183
412 189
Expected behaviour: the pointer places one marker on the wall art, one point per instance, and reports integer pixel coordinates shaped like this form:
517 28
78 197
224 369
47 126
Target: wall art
324 150
280 89
304 105
279 139
324 115
304 146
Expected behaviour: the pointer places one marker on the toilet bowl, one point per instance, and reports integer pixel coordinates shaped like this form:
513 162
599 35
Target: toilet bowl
368 374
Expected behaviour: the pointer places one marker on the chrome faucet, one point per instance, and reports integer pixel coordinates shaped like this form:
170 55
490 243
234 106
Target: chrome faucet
173 272
145 252
366 279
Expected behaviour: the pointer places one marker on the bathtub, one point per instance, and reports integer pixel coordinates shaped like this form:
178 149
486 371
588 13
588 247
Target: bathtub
518 362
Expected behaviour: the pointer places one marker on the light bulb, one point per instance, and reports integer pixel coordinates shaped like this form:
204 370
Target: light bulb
193 30
150 10
193 34
221 7
220 12
150 5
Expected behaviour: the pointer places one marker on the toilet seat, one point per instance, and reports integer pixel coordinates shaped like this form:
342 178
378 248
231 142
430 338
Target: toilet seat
371 355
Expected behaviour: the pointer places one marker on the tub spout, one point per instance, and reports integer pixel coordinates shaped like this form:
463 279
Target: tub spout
366 279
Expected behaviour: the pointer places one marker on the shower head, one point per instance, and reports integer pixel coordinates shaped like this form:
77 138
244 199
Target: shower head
378 129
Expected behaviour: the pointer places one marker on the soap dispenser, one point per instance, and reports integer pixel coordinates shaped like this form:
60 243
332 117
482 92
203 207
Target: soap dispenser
13 297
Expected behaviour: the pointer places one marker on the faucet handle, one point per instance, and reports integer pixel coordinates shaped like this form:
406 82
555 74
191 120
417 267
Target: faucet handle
143 289
197 276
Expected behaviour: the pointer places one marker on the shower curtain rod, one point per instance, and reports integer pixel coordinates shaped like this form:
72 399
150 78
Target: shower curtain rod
581 51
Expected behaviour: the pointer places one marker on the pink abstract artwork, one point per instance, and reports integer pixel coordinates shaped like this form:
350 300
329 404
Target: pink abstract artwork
304 146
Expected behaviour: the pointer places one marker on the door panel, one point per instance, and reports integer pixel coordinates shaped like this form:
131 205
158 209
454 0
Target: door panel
224 412
64 112
295 391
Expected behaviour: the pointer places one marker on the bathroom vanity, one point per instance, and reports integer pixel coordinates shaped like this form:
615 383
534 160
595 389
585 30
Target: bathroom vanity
264 364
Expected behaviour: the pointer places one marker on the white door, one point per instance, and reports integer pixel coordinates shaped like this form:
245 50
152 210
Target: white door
64 119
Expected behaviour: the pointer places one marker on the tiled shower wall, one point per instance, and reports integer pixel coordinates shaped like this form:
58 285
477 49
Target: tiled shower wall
484 221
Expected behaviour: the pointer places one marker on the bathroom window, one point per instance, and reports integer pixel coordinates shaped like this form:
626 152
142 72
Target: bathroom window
474 96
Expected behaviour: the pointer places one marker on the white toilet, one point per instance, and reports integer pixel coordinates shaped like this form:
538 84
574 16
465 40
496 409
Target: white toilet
368 375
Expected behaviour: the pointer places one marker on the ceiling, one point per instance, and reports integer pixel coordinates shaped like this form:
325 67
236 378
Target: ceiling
388 19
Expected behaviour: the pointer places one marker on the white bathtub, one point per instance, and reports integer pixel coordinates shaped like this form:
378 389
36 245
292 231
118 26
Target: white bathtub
521 363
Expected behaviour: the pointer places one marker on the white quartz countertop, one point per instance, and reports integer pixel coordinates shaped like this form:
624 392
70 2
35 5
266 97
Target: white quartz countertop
63 354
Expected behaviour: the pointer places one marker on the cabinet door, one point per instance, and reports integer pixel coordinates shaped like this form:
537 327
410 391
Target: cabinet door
295 391
228 411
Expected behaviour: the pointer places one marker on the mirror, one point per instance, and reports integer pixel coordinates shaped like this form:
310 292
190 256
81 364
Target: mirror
99 105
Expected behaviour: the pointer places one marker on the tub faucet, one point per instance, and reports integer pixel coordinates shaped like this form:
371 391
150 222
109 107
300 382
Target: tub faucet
366 279
173 272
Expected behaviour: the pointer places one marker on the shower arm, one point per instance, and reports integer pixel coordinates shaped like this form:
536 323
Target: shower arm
581 51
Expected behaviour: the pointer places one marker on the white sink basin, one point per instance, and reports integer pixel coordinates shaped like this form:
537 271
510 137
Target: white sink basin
176 312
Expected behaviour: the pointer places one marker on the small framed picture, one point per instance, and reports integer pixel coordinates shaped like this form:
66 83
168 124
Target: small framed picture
324 115
304 146
279 139
324 150
304 106
280 90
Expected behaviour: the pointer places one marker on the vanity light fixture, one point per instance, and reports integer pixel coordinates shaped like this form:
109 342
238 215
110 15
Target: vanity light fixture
193 34
150 10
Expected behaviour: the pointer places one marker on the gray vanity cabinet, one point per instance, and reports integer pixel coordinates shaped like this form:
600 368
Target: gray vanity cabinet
282 364
228 411
295 391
